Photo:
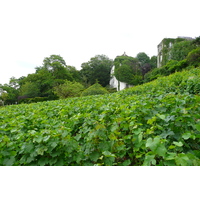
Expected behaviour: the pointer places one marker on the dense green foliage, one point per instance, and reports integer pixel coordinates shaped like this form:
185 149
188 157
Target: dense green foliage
68 89
94 90
167 44
157 123
191 60
8 94
171 67
143 58
55 79
127 69
180 50
193 57
98 68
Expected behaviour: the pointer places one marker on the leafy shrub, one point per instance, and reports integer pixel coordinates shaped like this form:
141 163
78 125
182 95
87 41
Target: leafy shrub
171 67
94 90
154 74
68 89
179 82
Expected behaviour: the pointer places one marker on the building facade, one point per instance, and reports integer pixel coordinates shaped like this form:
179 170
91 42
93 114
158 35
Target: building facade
164 48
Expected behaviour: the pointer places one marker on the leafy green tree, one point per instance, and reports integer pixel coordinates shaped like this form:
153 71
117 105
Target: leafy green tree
180 50
14 82
143 58
42 82
56 65
127 69
124 73
30 89
153 62
146 63
75 74
98 68
52 73
9 94
68 89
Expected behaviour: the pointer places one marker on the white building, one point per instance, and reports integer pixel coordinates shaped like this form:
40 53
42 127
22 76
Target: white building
114 83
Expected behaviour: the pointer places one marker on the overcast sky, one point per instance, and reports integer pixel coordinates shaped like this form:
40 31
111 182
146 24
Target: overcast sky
77 30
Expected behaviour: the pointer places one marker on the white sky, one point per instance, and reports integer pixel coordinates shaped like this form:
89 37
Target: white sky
77 30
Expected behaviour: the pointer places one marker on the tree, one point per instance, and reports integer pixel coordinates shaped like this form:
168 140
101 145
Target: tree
146 63
143 58
145 68
48 62
68 89
14 82
98 68
56 65
9 94
75 74
52 73
153 62
127 69
30 89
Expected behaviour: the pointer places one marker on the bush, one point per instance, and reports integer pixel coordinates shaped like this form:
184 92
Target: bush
94 90
68 89
171 67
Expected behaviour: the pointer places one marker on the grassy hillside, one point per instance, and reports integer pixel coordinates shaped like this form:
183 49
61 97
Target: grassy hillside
157 123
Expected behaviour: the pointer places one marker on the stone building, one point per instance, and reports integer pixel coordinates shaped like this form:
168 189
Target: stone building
164 48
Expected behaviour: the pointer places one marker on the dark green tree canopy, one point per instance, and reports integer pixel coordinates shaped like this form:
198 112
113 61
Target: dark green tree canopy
50 61
143 58
97 69
127 69
68 89
53 72
153 62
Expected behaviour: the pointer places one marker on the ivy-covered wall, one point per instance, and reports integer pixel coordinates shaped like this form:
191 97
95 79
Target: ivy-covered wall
164 50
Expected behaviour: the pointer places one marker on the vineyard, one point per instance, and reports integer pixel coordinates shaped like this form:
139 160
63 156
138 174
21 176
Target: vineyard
157 123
